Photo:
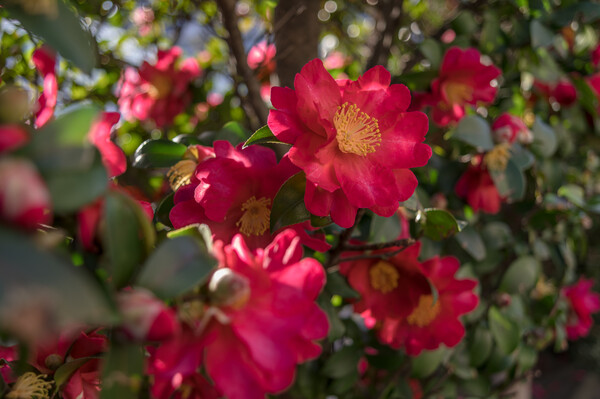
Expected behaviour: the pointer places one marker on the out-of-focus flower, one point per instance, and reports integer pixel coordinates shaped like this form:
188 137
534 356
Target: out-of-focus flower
216 197
463 79
582 303
434 321
15 104
9 354
145 317
477 187
158 92
508 128
44 60
563 91
24 197
596 56
143 18
12 137
335 60
261 57
113 157
353 139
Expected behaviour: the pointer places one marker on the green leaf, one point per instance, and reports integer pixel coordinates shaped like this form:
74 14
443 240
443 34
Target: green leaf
122 374
470 240
288 205
65 371
439 224
573 193
527 358
474 130
63 293
506 332
384 229
480 347
521 157
128 236
63 32
161 214
544 138
427 362
175 267
262 136
200 232
510 182
159 153
521 276
337 285
342 362
497 235
336 325
432 50
233 132
540 35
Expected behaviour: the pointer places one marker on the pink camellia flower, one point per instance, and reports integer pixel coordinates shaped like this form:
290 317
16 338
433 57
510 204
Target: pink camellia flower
433 322
145 317
582 303
266 318
508 128
24 197
563 91
113 157
335 60
387 287
596 56
353 139
160 91
12 137
143 18
85 381
261 57
477 186
463 79
216 197
45 62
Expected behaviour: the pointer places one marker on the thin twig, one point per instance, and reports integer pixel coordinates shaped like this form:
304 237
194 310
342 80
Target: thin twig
404 242
392 14
336 252
379 255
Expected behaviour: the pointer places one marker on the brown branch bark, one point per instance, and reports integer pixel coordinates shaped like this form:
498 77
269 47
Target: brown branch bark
296 31
236 45
392 12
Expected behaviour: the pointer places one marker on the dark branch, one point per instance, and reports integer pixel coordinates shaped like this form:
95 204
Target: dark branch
404 242
392 14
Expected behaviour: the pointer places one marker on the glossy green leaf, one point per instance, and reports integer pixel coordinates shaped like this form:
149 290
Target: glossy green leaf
541 36
34 277
288 205
176 267
439 224
497 235
127 237
65 371
521 276
123 371
470 240
506 332
573 193
200 232
342 362
337 285
261 136
544 138
527 358
384 229
480 346
521 156
474 130
161 214
510 182
432 50
427 362
159 153
62 30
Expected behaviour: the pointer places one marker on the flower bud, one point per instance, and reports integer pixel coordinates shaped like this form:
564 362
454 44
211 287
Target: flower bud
228 288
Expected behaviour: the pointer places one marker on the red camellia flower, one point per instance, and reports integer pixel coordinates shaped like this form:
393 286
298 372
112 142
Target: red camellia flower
216 197
113 157
262 58
12 137
463 79
583 302
596 56
477 187
563 91
160 91
433 322
8 354
594 83
45 62
24 197
387 288
508 128
353 139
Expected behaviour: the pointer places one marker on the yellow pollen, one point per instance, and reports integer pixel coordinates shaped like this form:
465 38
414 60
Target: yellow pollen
497 158
458 93
30 386
357 132
383 277
425 312
256 217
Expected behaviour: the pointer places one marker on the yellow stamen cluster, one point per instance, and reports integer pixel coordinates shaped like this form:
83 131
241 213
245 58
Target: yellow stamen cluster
30 386
425 312
383 277
160 87
458 93
181 173
256 217
497 158
357 132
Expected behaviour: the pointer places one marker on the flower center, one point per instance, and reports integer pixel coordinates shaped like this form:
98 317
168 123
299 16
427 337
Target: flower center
497 158
425 312
383 277
256 217
458 93
30 385
357 132
160 87
228 288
